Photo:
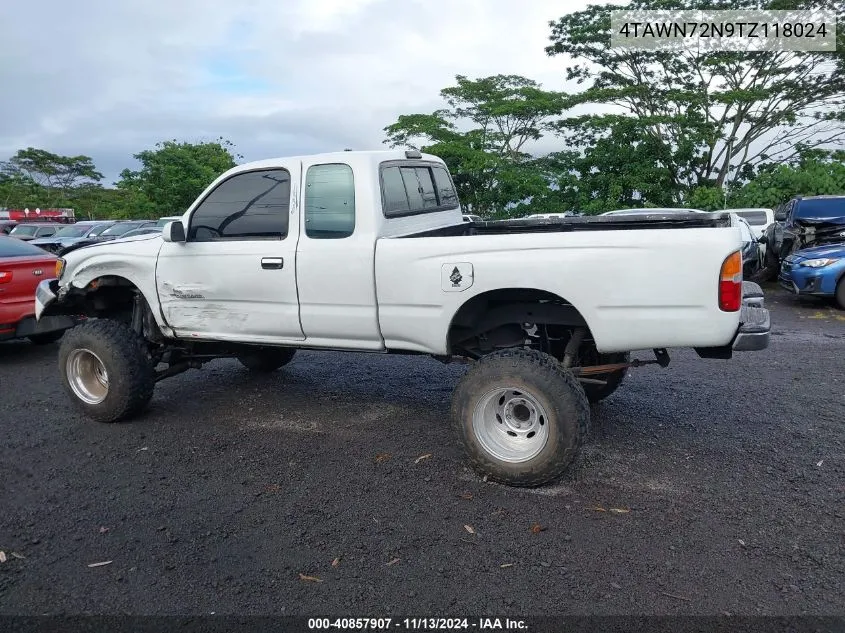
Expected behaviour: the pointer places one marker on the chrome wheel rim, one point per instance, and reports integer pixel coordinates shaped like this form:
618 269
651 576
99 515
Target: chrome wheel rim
511 424
87 376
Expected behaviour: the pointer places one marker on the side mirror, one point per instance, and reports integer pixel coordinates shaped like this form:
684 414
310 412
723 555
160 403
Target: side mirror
173 232
780 216
763 239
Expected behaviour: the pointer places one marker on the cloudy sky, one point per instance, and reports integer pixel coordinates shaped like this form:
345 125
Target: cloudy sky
276 77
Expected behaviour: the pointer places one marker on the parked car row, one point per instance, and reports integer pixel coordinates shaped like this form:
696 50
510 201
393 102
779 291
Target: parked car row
60 239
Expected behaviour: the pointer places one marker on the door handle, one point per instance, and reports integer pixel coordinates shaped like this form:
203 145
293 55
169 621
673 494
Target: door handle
272 263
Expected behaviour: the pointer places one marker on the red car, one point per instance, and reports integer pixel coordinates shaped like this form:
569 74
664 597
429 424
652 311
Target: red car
22 267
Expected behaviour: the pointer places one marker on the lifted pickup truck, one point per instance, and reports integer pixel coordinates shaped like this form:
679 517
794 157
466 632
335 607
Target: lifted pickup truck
368 251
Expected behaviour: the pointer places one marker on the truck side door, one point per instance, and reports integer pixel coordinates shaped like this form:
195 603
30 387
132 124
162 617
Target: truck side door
335 258
234 278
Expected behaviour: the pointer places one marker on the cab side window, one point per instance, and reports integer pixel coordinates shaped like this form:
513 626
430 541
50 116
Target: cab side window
252 205
329 201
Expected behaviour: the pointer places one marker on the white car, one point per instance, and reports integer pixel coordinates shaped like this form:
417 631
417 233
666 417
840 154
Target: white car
368 251
758 219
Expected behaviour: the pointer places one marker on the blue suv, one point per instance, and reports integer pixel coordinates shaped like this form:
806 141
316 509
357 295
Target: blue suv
817 271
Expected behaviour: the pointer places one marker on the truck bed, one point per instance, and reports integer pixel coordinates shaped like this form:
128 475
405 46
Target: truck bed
581 223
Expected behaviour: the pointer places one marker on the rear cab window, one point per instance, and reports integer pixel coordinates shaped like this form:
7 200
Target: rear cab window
411 187
754 218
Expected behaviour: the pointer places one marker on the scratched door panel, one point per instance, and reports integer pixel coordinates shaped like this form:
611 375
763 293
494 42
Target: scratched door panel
235 277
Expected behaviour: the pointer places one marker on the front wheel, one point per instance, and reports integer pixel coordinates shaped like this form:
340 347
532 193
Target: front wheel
520 417
840 293
106 370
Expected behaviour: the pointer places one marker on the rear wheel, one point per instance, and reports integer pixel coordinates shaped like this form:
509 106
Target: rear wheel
106 370
769 272
267 359
520 417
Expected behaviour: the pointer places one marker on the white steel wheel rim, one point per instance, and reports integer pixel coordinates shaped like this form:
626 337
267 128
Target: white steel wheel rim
511 424
87 376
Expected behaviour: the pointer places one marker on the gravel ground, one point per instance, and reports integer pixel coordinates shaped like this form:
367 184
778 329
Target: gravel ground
233 491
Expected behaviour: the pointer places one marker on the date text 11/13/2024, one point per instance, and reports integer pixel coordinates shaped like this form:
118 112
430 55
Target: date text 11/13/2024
418 624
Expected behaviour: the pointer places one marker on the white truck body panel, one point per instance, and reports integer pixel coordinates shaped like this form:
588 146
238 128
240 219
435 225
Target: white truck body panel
636 289
377 290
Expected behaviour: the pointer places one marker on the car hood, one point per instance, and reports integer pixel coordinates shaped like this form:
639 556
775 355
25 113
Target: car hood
56 240
833 251
822 223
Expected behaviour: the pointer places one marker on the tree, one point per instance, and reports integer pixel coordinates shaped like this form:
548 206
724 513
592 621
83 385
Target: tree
54 174
709 118
482 135
174 174
814 173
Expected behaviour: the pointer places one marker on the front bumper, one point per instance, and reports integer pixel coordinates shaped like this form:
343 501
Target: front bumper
46 293
754 322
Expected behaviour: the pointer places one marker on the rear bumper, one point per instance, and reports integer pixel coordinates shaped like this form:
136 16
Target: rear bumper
754 322
754 329
30 327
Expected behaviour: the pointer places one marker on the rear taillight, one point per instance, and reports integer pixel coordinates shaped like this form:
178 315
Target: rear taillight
5 276
730 283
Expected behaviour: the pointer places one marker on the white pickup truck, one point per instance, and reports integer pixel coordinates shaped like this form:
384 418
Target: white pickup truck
368 251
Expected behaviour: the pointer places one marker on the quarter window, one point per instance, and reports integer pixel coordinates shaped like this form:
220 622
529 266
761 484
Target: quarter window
411 189
329 201
249 206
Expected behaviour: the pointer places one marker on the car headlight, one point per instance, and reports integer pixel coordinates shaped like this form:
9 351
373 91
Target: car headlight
818 263
60 268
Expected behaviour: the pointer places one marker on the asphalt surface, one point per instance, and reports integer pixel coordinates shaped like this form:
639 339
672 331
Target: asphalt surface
709 487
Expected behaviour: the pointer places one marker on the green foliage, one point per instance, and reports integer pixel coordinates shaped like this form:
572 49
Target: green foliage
41 178
816 173
706 119
481 136
173 175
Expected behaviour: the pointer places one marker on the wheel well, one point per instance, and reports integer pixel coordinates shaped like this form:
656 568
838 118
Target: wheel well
512 317
109 296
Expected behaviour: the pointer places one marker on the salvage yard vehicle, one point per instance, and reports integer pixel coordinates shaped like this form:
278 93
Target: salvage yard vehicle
818 271
33 230
368 251
800 223
758 218
71 234
22 267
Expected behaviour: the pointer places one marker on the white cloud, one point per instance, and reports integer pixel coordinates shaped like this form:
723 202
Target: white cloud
109 79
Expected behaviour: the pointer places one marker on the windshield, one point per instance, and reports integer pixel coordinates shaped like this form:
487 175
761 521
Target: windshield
99 229
23 229
821 208
119 229
72 231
